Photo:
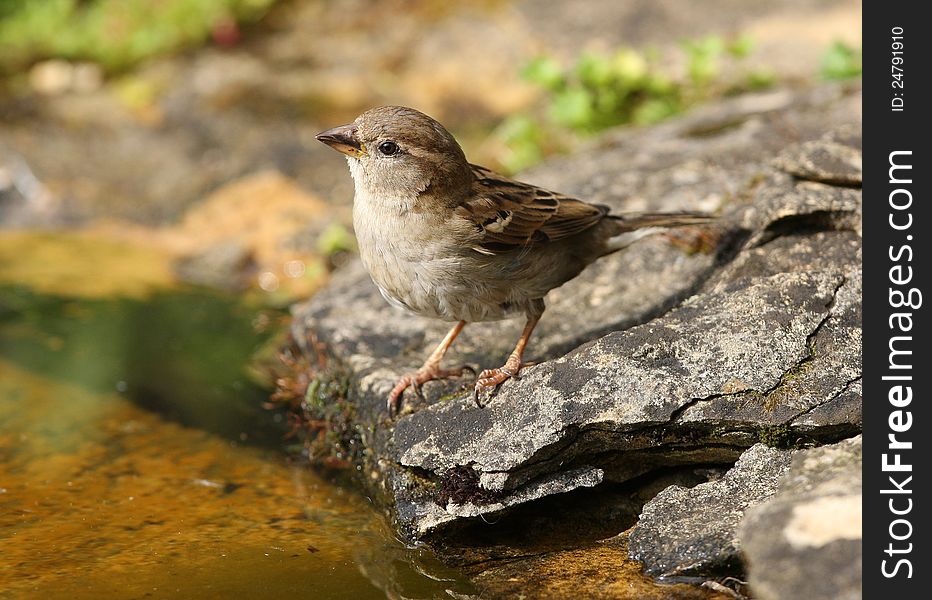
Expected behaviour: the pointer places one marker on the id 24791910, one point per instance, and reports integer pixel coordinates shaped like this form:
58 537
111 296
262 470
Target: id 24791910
898 102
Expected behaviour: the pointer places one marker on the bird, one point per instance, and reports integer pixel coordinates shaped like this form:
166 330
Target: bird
447 239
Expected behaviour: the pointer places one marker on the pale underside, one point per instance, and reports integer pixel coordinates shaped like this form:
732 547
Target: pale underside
494 255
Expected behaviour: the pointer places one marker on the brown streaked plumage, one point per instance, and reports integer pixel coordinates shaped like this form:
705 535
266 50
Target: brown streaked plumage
455 241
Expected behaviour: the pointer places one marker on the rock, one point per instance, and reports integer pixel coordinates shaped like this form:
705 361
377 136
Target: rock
795 515
835 158
694 531
653 359
629 390
598 570
568 546
51 77
805 541
25 201
244 234
227 265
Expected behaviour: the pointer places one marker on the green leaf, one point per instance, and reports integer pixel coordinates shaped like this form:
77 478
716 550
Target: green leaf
760 79
630 65
524 141
741 47
841 61
573 108
654 111
544 71
335 238
594 71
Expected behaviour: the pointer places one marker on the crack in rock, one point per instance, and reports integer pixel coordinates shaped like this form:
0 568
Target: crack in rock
633 387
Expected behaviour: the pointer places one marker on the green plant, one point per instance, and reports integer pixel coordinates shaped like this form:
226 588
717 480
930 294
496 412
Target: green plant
314 392
599 91
113 33
334 239
524 139
841 61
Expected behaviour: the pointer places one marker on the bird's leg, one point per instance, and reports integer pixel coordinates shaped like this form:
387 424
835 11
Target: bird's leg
492 378
429 371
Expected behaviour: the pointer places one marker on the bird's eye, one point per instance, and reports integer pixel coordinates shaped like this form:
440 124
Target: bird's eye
388 148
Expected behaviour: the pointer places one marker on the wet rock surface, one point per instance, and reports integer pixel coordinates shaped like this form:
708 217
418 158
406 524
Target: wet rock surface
657 359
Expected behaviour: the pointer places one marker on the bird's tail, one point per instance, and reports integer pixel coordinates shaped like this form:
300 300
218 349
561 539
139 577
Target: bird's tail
632 227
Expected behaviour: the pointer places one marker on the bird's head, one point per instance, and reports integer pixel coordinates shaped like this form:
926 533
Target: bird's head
394 151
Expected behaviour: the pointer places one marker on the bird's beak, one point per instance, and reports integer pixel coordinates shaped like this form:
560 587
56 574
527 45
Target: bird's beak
343 139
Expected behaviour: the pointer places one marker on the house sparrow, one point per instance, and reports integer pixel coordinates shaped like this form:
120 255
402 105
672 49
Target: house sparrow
450 240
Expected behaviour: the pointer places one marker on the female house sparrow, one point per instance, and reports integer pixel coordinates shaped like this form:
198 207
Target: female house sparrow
447 239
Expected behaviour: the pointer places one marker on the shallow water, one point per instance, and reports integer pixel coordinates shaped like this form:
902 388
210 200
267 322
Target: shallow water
136 460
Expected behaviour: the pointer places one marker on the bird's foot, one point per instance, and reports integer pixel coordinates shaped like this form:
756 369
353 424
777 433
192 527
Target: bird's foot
490 379
417 379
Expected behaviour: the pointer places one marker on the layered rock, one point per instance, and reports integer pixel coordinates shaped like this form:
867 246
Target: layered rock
679 353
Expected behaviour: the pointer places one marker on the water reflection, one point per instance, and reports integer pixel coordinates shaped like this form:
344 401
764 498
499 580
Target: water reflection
135 461
179 353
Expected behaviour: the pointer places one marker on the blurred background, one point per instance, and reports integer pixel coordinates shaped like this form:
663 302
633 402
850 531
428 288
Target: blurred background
163 200
188 125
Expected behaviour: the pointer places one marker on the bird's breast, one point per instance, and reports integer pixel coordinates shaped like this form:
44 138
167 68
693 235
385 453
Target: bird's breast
398 248
417 265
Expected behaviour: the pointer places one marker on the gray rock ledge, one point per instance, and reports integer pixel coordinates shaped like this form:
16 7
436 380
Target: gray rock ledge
656 358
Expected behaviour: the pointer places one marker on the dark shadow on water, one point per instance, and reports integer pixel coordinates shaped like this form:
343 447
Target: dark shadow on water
179 353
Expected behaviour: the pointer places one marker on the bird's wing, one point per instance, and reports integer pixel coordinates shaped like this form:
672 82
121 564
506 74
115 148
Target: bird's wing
509 214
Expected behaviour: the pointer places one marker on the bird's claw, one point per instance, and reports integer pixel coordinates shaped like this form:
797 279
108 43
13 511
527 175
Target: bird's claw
417 381
490 380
